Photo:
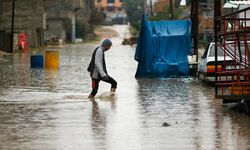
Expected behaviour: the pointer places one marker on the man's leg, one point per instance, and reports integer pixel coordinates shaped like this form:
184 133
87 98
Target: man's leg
95 86
112 82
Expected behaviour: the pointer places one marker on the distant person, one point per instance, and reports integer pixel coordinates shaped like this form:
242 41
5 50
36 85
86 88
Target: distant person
98 71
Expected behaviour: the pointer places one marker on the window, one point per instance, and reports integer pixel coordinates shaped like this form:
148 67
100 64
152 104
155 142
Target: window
110 9
242 48
220 51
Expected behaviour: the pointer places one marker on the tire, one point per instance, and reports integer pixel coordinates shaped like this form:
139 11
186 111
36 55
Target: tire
245 108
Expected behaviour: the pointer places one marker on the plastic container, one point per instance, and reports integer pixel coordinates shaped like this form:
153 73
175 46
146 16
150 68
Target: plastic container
51 60
36 61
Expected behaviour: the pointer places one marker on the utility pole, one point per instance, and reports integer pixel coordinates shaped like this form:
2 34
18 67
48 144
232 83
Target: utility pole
171 10
217 28
217 12
91 13
151 8
12 24
143 4
195 20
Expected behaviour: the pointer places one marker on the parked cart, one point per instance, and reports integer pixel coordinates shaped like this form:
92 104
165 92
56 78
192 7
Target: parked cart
232 35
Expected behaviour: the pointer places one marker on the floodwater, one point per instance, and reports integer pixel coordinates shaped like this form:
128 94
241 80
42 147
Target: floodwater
49 109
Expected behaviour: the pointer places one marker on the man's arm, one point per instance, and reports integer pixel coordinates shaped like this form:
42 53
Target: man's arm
98 62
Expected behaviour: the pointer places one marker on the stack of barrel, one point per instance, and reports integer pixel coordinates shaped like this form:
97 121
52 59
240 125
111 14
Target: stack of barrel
51 60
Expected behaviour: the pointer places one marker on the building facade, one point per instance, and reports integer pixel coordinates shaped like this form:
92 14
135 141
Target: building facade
114 10
113 6
61 18
206 20
29 19
41 20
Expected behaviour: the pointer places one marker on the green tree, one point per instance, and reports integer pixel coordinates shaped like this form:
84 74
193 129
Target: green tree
134 13
81 29
96 17
164 15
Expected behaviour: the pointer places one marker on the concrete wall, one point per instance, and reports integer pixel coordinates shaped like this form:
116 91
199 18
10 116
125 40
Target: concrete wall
58 28
61 16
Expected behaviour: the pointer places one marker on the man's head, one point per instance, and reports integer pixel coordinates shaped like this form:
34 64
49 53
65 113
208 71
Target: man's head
106 44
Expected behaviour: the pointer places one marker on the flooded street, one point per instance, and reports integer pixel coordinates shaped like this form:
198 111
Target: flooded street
49 109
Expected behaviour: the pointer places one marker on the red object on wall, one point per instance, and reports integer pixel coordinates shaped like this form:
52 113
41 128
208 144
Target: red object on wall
22 42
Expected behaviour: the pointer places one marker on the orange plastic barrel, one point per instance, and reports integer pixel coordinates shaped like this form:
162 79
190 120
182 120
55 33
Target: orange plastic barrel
51 60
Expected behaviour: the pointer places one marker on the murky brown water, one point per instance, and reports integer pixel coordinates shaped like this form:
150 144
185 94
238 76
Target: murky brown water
46 109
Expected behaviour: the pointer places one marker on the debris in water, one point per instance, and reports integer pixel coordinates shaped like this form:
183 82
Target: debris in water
165 124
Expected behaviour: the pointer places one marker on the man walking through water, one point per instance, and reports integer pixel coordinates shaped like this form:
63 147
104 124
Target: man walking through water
98 70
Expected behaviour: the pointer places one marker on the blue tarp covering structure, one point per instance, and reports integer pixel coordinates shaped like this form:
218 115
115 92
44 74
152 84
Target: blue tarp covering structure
162 48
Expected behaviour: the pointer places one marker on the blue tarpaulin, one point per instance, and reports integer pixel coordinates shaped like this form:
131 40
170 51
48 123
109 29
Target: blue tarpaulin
163 47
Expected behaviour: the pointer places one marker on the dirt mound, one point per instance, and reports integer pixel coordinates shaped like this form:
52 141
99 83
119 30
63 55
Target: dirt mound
105 33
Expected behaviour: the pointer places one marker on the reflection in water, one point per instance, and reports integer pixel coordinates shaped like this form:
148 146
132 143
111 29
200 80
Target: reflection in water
98 122
195 117
51 76
100 118
49 109
23 123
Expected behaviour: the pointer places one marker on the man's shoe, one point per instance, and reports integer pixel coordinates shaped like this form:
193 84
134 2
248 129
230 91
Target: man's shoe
112 94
